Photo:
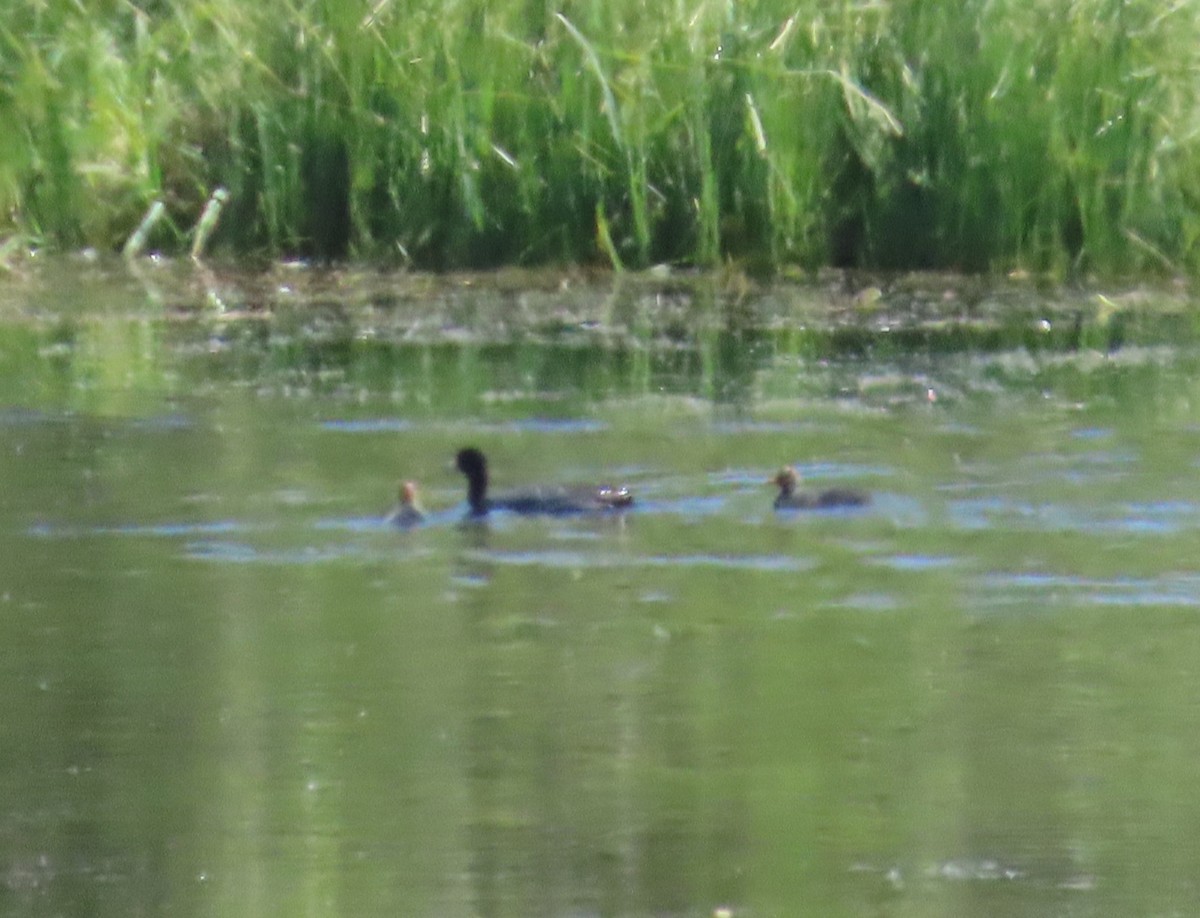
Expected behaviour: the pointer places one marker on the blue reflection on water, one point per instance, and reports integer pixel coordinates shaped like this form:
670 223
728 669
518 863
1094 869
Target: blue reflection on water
569 559
919 562
368 425
1048 589
520 425
53 531
224 552
1153 517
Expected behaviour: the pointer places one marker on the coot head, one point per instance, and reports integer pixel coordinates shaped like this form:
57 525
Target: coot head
786 480
471 463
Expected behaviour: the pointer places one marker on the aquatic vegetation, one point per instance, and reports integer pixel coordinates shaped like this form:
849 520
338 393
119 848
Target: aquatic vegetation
978 136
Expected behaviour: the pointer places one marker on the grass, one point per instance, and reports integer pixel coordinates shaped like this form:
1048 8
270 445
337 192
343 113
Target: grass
988 135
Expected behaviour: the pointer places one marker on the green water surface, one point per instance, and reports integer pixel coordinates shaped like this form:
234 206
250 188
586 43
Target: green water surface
230 690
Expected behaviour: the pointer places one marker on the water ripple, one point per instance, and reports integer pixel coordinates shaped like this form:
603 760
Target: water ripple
535 424
53 531
225 552
911 562
1021 588
367 425
571 559
1151 517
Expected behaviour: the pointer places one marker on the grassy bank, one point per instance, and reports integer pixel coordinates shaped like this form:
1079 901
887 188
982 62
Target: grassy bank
1054 136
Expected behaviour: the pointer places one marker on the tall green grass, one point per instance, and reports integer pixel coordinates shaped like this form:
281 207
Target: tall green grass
1049 135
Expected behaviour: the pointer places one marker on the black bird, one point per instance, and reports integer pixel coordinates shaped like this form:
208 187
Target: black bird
789 498
550 500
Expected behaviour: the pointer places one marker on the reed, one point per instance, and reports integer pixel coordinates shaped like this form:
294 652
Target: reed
986 135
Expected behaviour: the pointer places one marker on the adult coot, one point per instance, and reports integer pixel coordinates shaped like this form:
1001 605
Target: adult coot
791 499
549 500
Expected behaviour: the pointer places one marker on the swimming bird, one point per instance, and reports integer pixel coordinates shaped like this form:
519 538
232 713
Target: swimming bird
407 512
789 498
551 500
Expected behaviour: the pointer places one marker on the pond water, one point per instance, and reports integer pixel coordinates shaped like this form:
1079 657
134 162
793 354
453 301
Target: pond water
231 690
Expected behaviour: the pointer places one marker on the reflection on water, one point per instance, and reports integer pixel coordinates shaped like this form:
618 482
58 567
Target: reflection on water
231 689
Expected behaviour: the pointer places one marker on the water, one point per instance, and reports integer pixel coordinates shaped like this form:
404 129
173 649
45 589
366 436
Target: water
231 691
